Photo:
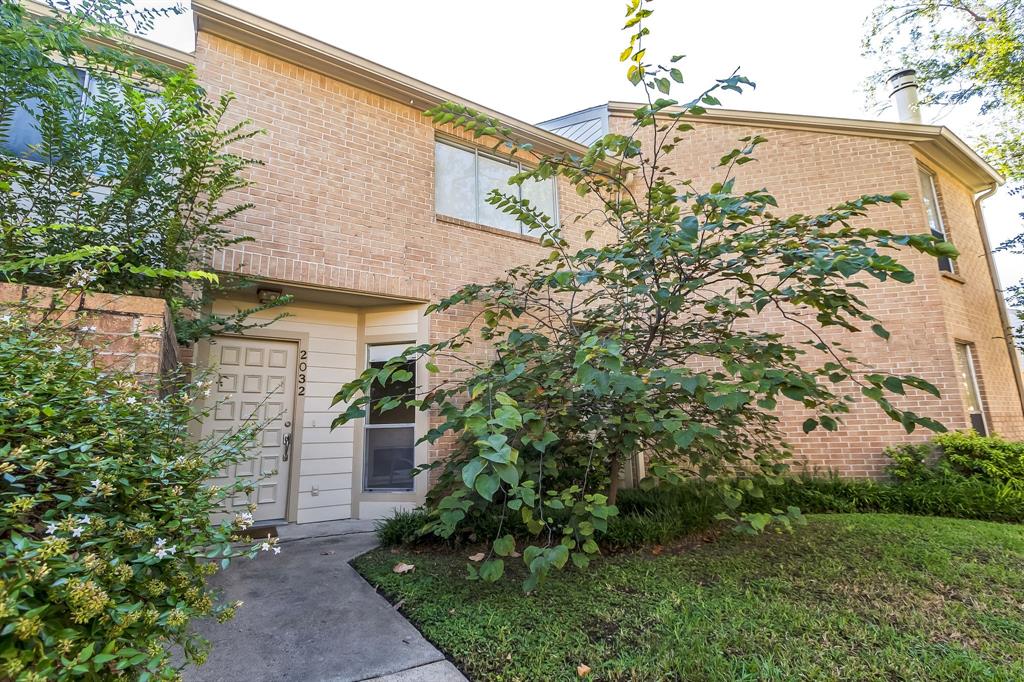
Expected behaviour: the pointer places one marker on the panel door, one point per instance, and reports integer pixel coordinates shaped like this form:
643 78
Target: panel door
255 380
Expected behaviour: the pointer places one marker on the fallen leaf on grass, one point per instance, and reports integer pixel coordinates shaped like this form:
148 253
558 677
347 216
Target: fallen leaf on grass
401 568
478 557
656 550
583 670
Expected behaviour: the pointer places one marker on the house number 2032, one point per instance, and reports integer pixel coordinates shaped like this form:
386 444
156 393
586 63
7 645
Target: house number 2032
302 372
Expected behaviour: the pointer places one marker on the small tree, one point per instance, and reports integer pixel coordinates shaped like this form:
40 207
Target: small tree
643 344
129 163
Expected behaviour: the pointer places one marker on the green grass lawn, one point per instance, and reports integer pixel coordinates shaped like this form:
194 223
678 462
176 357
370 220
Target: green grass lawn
848 597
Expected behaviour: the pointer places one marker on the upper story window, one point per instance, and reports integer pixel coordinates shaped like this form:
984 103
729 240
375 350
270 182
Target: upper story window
23 137
933 212
465 176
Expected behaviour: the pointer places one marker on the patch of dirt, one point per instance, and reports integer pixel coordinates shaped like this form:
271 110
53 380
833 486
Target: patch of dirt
601 631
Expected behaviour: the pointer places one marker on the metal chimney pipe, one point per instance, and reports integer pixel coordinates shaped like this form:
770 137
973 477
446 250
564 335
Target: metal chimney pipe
904 95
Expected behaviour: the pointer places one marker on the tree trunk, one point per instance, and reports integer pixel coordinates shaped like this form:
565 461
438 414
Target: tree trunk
613 472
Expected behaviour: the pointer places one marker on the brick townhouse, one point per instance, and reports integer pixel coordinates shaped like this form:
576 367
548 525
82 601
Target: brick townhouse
365 213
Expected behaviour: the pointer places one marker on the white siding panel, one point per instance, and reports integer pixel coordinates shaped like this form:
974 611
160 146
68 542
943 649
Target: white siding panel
331 465
314 514
381 510
403 322
326 498
340 451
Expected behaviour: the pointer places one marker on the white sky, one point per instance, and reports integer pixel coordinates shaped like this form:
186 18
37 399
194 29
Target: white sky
537 59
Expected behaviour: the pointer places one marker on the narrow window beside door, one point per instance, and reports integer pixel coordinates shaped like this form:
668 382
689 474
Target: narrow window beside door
390 436
969 387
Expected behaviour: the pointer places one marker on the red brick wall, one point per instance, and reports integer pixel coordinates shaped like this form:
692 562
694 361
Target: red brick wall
133 333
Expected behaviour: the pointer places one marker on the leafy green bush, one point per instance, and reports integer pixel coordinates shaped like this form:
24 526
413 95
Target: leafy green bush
401 528
989 458
106 531
954 497
962 456
913 462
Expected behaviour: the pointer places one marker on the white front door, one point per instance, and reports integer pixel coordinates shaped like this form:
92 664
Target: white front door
255 380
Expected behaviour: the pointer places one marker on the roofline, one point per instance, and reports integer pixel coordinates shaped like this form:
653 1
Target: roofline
238 26
141 47
939 143
603 108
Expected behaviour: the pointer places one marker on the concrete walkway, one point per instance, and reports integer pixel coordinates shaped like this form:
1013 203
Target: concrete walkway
309 616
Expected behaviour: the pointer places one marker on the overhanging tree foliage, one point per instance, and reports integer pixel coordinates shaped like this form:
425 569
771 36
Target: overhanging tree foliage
113 158
966 52
646 342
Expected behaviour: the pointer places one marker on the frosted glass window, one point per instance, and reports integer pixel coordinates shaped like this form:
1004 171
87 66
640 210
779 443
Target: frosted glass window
455 178
541 195
494 174
464 178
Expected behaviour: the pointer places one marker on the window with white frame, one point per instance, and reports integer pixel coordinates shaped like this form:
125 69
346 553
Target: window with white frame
969 386
389 437
465 176
933 212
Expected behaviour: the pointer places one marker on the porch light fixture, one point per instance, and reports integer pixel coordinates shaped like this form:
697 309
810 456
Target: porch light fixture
265 296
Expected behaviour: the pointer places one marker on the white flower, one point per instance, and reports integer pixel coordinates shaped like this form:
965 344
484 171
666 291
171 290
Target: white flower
206 393
161 549
88 328
81 278
58 348
51 528
96 484
76 532
265 546
130 400
85 520
277 550
243 520
5 318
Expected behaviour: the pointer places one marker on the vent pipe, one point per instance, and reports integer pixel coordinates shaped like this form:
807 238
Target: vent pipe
904 95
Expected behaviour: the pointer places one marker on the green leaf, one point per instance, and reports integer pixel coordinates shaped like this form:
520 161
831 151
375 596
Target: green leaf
504 545
508 473
880 330
581 561
471 470
486 485
492 570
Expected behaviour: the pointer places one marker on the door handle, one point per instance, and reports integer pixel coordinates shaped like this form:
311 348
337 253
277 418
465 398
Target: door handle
287 446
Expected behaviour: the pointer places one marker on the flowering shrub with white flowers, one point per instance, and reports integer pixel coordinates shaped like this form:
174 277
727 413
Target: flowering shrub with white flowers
106 532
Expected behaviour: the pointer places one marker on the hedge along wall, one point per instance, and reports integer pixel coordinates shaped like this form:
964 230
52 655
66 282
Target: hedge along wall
133 333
